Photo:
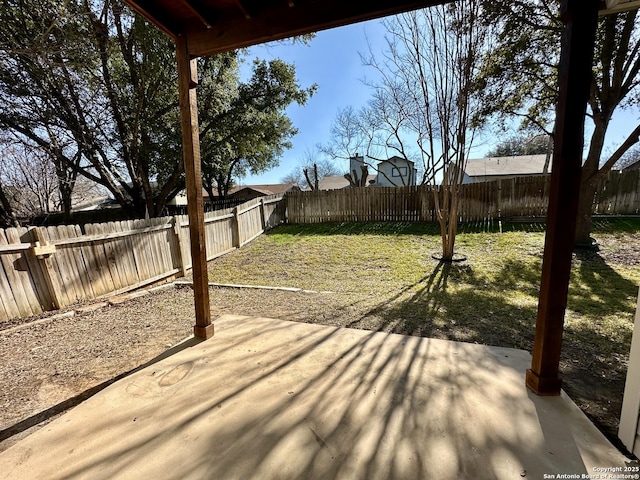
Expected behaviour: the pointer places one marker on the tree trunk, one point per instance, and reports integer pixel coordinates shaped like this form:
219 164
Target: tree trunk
7 216
590 176
66 205
446 212
583 221
66 191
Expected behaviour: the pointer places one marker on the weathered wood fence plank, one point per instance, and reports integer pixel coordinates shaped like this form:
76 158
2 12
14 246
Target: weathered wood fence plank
479 202
112 258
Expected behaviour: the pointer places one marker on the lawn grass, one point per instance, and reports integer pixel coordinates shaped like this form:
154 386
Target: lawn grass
388 269
384 279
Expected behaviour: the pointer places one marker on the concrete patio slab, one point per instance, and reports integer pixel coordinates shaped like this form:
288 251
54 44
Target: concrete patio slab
270 399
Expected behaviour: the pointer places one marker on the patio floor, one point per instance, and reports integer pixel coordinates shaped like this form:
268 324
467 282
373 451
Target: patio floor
267 399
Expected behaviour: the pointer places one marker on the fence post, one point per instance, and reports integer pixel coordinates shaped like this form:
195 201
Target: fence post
176 230
43 251
236 228
499 199
264 220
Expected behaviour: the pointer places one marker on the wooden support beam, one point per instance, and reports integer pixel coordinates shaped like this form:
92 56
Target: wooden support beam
205 15
187 82
156 15
261 23
578 39
243 8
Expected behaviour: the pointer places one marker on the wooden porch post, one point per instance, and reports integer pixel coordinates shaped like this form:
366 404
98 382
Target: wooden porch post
187 82
580 18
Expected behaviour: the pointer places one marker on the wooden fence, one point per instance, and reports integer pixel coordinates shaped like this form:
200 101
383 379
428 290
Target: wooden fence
47 268
619 193
519 197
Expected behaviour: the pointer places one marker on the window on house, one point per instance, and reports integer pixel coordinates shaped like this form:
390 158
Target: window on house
399 172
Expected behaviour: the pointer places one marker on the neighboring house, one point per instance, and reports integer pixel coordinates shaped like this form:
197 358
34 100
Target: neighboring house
96 203
338 182
181 198
394 172
247 192
241 192
503 168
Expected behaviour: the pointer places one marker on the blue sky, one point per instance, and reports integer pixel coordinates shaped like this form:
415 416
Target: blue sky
332 61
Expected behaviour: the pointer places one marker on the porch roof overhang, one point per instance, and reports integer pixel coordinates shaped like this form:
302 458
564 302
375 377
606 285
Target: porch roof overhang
214 26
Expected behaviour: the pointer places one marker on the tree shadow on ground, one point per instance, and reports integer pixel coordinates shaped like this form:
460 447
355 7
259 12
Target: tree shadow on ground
346 404
452 303
599 289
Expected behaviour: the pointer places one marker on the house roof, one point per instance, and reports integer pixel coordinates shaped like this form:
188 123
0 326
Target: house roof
336 182
514 165
272 189
633 166
615 6
395 159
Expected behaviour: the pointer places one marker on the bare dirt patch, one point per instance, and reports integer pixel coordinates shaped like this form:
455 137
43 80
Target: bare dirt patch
51 359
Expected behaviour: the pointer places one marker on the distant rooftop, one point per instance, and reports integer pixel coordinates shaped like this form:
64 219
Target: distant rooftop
271 189
336 182
514 165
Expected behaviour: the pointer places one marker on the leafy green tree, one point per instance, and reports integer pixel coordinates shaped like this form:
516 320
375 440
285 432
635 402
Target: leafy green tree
520 81
7 215
93 93
521 145
248 130
95 87
40 44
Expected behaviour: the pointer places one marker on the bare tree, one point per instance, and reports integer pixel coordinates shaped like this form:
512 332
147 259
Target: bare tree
32 178
375 130
630 158
35 184
423 104
443 107
311 170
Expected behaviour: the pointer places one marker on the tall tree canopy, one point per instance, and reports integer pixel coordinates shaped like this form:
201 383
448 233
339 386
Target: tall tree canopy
248 131
521 145
520 80
41 43
95 87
